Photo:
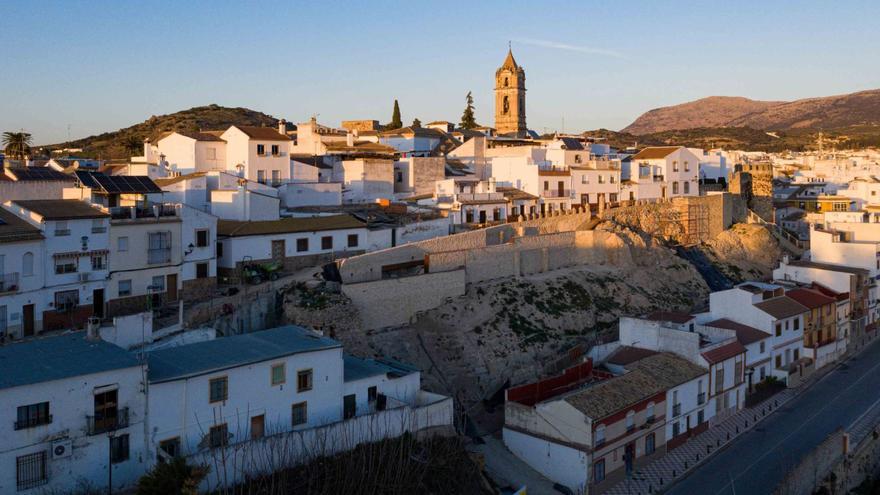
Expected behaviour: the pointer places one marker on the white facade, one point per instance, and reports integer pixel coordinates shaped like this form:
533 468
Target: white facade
261 159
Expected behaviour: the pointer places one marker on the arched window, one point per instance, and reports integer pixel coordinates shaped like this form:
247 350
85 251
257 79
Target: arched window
505 107
27 264
505 82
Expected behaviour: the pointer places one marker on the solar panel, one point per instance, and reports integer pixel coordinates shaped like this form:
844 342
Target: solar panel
87 179
118 184
38 173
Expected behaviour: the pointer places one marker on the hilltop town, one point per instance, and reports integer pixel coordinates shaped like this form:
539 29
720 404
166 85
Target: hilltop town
510 310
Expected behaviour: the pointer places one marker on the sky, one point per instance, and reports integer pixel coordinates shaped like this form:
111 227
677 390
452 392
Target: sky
89 67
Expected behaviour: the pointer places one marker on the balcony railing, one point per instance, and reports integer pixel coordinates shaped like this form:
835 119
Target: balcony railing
701 398
9 283
152 211
676 410
556 193
96 425
33 422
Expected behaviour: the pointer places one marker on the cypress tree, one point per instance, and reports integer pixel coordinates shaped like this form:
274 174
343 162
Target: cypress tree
395 123
467 118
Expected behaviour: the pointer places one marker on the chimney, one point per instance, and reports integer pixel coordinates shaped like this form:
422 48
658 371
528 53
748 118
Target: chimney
282 127
92 326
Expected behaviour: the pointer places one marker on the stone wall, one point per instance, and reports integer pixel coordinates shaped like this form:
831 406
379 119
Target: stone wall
395 301
199 288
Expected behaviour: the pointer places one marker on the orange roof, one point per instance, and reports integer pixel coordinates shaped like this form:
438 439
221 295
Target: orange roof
655 152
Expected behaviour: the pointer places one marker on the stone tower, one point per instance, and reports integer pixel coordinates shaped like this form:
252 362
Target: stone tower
510 98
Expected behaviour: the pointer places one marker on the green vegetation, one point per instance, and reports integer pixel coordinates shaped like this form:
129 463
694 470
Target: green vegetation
395 123
129 141
17 145
172 478
468 121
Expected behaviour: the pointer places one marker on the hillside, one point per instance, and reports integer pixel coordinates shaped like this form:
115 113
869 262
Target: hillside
830 112
129 141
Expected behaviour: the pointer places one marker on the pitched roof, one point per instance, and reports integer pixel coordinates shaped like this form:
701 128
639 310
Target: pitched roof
61 356
671 316
723 352
509 61
186 361
744 333
167 181
264 133
627 354
781 307
313 160
839 296
197 135
810 298
513 194
235 228
414 131
655 152
61 209
649 377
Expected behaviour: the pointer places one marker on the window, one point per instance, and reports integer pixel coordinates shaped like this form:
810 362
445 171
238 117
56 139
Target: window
719 380
352 240
687 187
649 412
278 374
299 414
276 177
601 179
30 470
762 348
261 176
630 420
701 417
66 300
202 238
219 389
676 429
99 262
170 447
122 244
687 167
159 248
261 149
65 265
119 448
124 288
275 152
218 436
612 179
27 264
302 245
546 185
158 284
675 187
738 373
303 380
577 158
327 242
676 405
600 435
649 444
107 417
796 324
211 153
61 228
763 373
372 394
778 361
797 354
33 415
98 226
399 176
599 471
258 426
219 249
584 179
779 330
201 270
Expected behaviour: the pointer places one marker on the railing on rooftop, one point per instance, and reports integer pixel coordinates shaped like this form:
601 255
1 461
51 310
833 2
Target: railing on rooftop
152 211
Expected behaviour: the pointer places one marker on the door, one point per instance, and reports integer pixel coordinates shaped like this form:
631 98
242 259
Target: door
560 189
349 406
663 192
482 216
258 426
98 303
171 287
27 315
278 251
629 456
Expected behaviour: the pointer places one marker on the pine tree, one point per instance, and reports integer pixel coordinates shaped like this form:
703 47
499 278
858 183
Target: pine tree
395 123
417 123
467 118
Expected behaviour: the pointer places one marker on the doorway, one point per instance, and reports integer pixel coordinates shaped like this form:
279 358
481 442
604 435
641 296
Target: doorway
258 426
171 287
27 315
349 406
98 303
629 457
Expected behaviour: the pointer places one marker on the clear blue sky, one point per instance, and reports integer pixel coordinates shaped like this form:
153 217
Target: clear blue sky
98 66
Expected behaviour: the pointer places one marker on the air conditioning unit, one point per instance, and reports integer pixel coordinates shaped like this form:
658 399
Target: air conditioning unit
84 277
61 449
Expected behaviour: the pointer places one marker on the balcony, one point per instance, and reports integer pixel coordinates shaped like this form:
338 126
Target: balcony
33 422
658 178
96 425
676 410
556 193
9 283
150 212
701 398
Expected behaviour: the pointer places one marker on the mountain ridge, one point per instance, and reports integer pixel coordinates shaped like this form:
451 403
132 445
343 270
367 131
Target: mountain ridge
824 112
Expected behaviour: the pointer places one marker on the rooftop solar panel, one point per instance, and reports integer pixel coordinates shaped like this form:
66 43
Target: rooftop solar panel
118 184
38 173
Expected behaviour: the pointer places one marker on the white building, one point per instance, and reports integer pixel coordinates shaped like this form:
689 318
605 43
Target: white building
22 277
70 406
258 154
675 168
188 152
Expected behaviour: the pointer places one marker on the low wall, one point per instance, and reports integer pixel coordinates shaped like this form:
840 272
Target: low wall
394 301
254 458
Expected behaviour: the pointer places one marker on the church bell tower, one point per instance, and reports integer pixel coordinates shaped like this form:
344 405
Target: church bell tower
510 98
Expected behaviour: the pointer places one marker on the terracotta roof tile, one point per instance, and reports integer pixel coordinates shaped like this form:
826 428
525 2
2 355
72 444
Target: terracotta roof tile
781 307
723 352
744 333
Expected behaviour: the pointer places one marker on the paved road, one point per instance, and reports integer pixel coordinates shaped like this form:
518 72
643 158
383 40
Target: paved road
755 462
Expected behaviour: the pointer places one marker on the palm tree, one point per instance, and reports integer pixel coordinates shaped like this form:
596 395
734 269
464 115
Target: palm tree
17 145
